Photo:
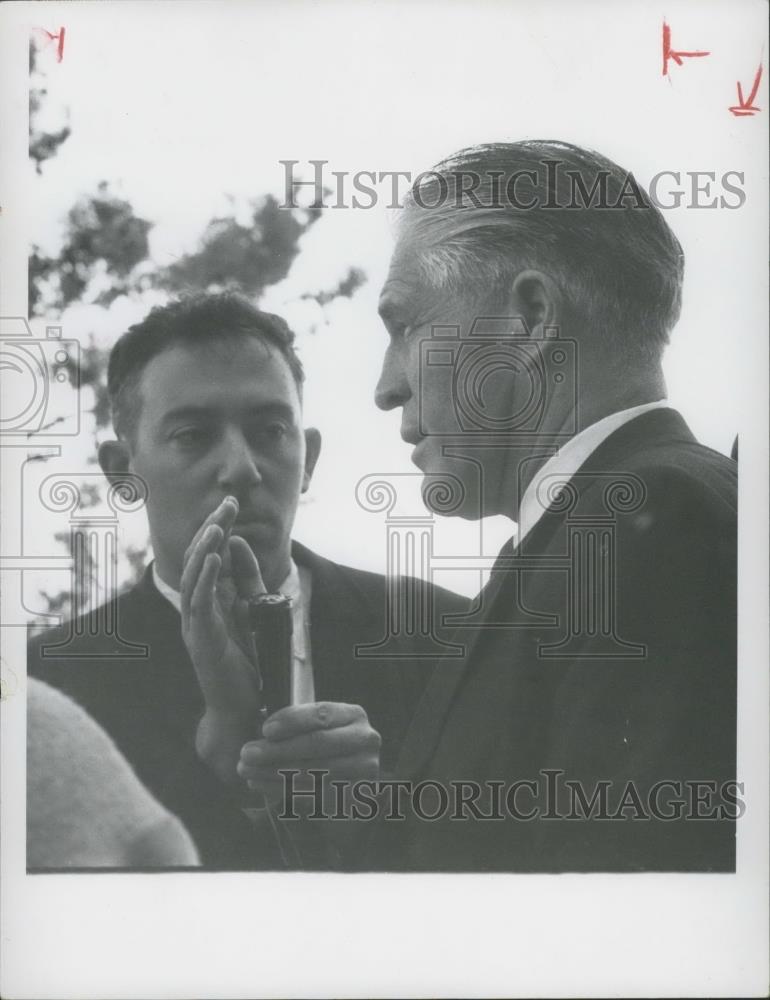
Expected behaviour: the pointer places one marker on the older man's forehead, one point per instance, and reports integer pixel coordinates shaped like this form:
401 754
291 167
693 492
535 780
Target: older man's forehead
403 285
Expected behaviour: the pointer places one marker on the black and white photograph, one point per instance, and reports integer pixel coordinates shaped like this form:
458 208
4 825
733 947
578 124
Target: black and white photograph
384 448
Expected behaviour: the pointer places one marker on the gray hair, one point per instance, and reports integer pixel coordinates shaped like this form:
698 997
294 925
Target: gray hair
488 212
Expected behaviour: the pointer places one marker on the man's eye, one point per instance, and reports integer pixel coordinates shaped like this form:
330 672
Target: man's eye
409 330
274 431
397 332
189 437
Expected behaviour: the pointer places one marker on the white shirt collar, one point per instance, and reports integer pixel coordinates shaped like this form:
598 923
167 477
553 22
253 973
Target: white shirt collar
172 596
570 457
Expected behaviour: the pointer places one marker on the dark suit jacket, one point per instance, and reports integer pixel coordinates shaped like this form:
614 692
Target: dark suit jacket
650 696
151 704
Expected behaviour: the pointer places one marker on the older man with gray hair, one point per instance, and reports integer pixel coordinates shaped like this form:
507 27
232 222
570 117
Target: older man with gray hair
591 725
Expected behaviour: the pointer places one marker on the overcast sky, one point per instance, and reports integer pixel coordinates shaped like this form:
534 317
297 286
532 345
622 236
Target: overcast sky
188 111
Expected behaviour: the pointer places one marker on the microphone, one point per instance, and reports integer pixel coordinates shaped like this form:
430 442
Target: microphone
271 622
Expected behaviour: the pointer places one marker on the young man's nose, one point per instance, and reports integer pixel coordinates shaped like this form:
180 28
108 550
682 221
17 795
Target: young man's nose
238 463
392 388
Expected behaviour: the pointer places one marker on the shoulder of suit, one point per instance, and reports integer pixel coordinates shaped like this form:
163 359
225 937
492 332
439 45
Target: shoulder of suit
696 456
683 469
378 582
365 583
661 451
687 502
81 638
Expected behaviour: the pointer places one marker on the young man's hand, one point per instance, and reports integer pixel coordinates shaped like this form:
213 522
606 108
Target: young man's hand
219 577
329 736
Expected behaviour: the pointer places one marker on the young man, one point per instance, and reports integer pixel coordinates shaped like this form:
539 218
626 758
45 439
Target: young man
206 398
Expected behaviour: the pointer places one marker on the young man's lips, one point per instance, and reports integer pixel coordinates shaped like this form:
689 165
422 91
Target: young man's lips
249 520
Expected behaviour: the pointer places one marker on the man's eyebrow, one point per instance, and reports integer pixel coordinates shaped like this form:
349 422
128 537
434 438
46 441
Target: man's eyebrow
187 413
399 316
268 408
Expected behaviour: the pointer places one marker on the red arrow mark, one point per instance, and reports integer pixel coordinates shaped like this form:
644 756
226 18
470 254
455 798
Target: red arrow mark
745 106
669 53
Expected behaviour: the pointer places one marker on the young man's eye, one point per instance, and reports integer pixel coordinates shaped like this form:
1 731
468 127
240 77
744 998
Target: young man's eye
268 433
276 430
189 437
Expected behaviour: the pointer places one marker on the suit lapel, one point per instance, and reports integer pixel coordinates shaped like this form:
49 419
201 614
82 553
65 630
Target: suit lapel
172 673
427 725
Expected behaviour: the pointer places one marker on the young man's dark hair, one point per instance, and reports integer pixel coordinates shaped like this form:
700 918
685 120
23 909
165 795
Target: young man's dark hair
192 320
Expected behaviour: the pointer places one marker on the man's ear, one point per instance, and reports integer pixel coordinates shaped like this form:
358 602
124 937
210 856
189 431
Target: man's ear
537 299
312 451
114 458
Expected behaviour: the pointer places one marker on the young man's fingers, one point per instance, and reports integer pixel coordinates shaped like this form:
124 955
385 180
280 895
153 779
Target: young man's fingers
224 515
202 600
211 519
297 719
208 543
224 551
355 738
349 767
244 569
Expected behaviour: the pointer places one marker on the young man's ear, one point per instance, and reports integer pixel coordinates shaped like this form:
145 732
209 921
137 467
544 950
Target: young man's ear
312 451
537 299
114 458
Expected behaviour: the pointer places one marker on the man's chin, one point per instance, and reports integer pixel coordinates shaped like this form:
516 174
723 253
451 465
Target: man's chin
447 494
456 480
259 534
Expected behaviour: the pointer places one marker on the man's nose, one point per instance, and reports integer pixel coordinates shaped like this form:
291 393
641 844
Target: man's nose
392 388
239 465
